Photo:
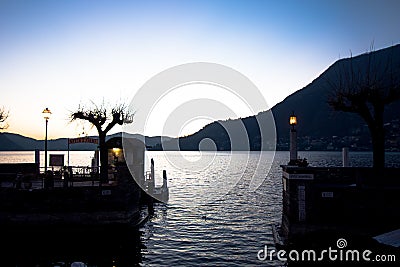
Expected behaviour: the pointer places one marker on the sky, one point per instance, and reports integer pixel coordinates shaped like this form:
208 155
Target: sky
63 54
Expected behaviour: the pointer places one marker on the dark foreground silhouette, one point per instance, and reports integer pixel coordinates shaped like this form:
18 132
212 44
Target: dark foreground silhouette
65 246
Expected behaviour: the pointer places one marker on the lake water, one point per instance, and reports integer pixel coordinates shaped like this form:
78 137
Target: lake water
220 211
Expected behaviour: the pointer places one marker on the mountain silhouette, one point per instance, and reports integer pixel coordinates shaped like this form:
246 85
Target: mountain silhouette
316 119
17 142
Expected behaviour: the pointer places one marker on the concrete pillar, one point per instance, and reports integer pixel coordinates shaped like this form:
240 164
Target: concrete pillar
293 144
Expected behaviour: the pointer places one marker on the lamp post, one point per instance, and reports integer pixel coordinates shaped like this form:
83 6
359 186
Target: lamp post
293 139
46 114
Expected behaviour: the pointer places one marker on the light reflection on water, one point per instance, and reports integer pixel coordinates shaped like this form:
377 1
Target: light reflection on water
204 223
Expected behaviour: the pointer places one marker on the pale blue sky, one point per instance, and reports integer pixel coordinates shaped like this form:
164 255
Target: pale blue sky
58 54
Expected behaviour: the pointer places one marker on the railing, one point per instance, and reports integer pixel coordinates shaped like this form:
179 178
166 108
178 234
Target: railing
72 176
82 175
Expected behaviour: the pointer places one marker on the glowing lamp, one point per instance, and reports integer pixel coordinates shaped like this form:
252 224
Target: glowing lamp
293 120
116 150
46 114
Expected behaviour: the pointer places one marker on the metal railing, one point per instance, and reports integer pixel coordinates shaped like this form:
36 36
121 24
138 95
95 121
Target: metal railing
72 176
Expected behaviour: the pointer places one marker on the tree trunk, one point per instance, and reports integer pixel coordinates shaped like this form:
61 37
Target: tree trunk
103 158
378 147
378 139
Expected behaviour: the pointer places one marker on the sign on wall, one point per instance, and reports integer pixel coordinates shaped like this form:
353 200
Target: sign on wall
83 140
56 160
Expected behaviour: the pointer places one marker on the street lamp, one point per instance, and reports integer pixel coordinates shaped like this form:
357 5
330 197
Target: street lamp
46 114
293 138
293 120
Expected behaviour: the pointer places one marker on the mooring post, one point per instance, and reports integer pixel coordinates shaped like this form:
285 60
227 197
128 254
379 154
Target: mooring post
164 184
345 156
152 178
150 205
150 192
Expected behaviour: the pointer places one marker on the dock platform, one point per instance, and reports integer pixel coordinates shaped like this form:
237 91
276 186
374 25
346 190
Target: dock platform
345 200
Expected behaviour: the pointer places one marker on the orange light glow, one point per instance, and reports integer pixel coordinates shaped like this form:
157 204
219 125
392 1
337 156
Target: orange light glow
293 120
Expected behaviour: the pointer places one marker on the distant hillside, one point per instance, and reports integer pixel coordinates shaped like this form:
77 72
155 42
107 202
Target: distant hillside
10 142
16 142
319 126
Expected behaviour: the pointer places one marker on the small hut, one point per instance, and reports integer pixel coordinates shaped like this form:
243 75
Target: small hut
129 152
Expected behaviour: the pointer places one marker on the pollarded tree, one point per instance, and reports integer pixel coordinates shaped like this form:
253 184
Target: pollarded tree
3 118
103 118
365 85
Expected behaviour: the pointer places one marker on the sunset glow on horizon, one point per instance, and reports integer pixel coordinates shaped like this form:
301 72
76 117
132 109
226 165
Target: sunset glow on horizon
61 54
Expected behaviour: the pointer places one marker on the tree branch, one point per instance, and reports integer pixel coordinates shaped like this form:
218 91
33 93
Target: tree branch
3 117
98 116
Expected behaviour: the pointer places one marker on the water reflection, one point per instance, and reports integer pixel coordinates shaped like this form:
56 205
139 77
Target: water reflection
61 246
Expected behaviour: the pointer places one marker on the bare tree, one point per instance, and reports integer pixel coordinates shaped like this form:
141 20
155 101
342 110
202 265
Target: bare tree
3 117
104 119
365 85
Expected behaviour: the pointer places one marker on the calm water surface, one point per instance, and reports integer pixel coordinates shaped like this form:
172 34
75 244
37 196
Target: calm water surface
214 216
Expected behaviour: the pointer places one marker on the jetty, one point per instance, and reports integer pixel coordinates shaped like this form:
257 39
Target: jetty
341 199
322 205
75 195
